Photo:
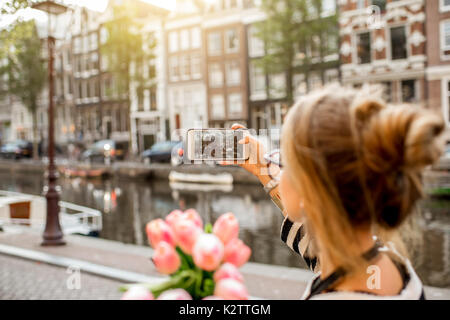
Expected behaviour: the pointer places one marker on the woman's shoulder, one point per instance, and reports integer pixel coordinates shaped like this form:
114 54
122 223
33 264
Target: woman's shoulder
413 290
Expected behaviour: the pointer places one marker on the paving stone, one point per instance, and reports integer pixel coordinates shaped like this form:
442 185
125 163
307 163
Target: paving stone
27 280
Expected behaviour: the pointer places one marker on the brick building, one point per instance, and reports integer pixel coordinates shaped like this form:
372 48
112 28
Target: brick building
385 44
438 53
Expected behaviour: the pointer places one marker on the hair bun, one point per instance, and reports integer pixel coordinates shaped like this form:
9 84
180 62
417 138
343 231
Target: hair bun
402 138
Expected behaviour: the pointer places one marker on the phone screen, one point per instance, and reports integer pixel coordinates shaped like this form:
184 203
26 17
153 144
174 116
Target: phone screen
218 144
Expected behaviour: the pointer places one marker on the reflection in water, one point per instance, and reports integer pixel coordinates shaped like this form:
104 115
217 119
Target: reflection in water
127 205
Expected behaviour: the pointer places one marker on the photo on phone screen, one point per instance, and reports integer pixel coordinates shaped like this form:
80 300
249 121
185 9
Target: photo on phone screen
216 144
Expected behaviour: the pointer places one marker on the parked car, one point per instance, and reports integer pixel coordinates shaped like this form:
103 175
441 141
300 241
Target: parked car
104 150
166 151
17 150
447 151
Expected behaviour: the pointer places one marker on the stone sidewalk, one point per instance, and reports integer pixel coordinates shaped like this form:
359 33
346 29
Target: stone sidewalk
105 265
29 280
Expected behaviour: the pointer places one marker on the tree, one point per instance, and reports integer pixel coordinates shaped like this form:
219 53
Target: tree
128 50
12 6
297 36
25 70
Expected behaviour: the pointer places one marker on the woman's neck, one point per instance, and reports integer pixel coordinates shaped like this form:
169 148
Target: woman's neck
364 240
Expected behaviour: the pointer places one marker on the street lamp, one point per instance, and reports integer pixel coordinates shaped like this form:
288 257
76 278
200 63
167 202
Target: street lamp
53 235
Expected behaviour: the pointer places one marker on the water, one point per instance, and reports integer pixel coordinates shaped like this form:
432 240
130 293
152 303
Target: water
127 205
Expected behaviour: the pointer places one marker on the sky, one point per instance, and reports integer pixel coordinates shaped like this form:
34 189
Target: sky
97 5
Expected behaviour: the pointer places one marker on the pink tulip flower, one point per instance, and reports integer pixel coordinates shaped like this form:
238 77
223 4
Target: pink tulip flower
237 253
165 258
175 294
226 227
173 217
231 289
192 214
157 231
137 293
208 252
228 271
189 214
186 233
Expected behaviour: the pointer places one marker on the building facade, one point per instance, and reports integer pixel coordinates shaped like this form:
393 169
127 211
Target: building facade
186 89
148 104
312 69
226 63
385 44
438 54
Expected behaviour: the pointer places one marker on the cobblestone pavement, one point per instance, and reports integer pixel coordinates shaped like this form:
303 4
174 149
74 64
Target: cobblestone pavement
29 280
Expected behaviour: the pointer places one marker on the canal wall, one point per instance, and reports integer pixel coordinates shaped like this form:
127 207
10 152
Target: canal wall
129 170
436 179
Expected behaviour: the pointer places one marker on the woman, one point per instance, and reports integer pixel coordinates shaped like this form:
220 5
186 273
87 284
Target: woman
351 176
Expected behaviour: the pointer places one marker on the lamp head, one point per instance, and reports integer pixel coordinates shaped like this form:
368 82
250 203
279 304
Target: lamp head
50 7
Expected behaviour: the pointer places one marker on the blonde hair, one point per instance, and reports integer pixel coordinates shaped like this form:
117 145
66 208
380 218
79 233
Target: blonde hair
357 162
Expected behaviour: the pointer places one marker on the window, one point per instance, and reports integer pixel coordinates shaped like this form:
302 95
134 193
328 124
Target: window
314 49
94 61
214 43
315 81
153 100
93 40
85 43
408 91
196 37
363 48
104 62
77 45
387 91
215 75
332 42
173 68
331 75
196 66
398 43
234 105
277 85
232 40
185 67
299 83
184 39
257 79
104 35
445 38
217 107
256 44
233 73
445 5
173 41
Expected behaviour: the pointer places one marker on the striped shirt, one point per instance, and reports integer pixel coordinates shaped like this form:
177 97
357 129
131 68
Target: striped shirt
296 238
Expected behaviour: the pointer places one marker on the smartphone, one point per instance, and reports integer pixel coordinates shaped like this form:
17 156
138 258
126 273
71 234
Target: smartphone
216 144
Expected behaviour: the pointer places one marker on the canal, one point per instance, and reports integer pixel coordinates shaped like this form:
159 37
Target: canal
127 205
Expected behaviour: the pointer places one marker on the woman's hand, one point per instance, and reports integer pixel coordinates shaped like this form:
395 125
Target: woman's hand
255 164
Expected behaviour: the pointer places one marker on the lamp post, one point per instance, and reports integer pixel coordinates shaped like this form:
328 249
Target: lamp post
53 235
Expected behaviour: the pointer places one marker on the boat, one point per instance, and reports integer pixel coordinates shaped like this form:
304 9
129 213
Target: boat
200 187
82 173
19 211
207 178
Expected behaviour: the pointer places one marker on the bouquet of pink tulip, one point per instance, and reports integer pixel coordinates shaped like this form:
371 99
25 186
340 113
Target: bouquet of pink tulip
202 262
